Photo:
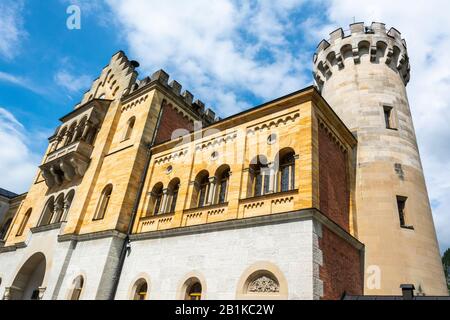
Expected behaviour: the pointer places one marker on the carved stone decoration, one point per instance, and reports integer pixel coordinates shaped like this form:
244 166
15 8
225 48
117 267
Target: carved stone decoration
49 179
79 165
7 295
68 170
56 175
41 292
263 284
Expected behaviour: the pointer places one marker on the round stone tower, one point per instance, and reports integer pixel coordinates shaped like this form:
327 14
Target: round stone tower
363 75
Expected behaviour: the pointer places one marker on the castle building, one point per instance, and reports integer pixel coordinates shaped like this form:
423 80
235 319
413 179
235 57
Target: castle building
145 194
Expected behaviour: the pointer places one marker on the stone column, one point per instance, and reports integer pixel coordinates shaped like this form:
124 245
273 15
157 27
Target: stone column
41 292
87 127
211 191
7 295
164 201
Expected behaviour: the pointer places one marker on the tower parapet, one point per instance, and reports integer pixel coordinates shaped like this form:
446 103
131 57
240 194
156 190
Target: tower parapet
373 42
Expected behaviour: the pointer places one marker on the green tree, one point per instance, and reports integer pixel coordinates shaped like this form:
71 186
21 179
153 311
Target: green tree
446 263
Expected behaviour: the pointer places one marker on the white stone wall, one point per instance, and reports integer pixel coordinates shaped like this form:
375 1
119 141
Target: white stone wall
221 258
44 242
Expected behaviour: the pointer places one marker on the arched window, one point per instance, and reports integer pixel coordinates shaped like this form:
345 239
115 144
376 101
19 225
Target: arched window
61 137
24 223
262 283
70 134
223 177
174 188
79 129
78 284
259 181
140 290
156 197
5 228
201 188
48 212
286 173
193 290
129 128
102 206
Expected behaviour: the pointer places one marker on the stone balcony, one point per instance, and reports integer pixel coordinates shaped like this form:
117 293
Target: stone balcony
66 163
268 204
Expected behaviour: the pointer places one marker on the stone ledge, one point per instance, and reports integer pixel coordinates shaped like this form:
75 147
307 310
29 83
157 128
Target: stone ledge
13 247
287 217
53 226
91 236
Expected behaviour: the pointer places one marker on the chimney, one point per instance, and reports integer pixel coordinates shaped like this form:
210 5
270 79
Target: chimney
408 291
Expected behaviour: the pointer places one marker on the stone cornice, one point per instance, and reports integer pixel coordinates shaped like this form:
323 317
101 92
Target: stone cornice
287 217
13 247
53 226
91 236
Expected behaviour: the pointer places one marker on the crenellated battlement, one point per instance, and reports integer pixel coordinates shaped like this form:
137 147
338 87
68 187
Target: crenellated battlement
161 77
361 44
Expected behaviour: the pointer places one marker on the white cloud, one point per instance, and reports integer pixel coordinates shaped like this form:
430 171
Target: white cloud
71 82
12 32
426 28
18 164
21 82
215 48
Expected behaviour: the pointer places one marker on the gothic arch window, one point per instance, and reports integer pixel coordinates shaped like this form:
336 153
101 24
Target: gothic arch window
47 214
173 190
193 289
201 188
79 129
140 290
77 289
24 223
129 128
259 177
70 134
286 172
222 184
103 204
61 137
262 283
156 198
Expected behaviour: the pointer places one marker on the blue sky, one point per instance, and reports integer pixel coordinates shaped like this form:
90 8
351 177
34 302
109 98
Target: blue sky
230 54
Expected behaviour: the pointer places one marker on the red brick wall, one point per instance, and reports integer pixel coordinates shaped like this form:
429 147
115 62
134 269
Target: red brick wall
341 270
333 186
171 120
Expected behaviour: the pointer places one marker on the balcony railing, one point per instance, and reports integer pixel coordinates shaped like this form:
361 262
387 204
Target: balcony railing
268 204
66 163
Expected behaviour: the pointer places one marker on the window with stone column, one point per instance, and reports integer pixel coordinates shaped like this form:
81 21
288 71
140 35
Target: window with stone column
260 177
222 184
174 187
156 198
286 170
201 190
24 223
48 212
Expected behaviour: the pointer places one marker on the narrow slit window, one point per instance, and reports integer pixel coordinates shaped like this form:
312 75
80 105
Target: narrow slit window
389 117
401 205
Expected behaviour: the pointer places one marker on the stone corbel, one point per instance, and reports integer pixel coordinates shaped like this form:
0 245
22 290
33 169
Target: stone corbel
56 176
389 55
373 53
356 56
340 61
79 165
68 170
48 177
